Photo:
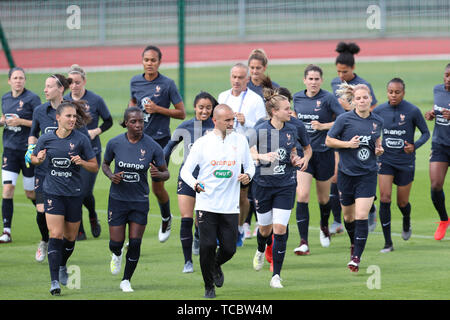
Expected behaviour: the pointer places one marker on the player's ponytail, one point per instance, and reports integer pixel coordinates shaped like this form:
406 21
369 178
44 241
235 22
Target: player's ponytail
83 117
61 81
346 53
272 98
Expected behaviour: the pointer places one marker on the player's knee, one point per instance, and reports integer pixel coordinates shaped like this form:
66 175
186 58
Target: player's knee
116 247
134 248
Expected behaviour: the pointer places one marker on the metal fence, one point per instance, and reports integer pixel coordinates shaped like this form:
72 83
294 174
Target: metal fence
52 23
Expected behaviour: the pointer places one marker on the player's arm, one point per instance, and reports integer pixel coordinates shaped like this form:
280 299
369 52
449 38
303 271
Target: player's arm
115 178
89 165
178 113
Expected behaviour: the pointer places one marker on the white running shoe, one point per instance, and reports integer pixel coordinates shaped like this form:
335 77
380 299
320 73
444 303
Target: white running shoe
125 285
276 282
116 263
164 229
324 237
188 267
41 251
303 249
247 231
258 260
5 237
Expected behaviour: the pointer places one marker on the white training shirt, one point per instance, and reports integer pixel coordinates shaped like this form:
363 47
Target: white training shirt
249 103
220 163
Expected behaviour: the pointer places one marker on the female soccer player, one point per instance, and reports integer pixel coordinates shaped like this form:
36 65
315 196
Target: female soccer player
44 121
257 64
275 179
97 109
317 109
397 164
345 67
134 153
440 150
17 112
153 93
189 131
66 151
357 136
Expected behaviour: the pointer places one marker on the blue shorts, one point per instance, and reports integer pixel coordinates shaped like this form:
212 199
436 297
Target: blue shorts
69 207
121 212
14 161
267 198
185 189
354 187
440 153
401 177
321 165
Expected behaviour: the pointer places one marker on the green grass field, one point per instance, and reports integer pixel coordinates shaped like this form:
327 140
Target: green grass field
417 269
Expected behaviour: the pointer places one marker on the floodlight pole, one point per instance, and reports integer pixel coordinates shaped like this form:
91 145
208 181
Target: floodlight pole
181 47
6 48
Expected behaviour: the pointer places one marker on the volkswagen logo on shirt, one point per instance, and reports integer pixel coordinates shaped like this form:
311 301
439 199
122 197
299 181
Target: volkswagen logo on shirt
363 154
50 129
281 153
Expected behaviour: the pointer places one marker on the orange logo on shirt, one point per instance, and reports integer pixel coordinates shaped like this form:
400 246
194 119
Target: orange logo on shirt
223 163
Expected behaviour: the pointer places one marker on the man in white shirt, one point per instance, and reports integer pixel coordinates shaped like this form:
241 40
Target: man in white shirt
248 108
220 155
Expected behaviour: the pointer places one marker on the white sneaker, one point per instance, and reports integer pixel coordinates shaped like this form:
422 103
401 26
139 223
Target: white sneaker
41 251
276 282
258 260
324 239
247 231
302 250
5 237
164 230
188 267
116 263
125 285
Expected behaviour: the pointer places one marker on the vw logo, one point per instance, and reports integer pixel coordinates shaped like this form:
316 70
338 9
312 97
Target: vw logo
363 154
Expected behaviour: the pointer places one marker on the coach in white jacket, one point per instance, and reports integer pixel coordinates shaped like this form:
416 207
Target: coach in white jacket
220 155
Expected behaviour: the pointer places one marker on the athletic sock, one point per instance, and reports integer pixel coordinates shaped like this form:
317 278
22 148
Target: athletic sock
302 214
89 203
279 250
350 227
116 247
361 233
385 220
67 250
132 258
54 257
262 241
7 212
324 213
406 212
438 198
165 210
335 204
186 238
42 225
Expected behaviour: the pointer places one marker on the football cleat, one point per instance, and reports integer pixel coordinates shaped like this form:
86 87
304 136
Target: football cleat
55 289
275 282
41 251
336 228
63 275
210 293
188 267
269 252
258 260
324 237
353 265
116 263
125 285
96 229
302 249
5 237
164 229
387 248
440 231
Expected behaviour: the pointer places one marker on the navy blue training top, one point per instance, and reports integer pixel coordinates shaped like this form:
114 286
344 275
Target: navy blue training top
356 80
162 91
279 173
62 176
97 108
16 138
400 123
134 160
259 89
441 132
44 121
188 131
361 160
323 107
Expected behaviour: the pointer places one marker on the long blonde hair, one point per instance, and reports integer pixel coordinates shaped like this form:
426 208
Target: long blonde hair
346 91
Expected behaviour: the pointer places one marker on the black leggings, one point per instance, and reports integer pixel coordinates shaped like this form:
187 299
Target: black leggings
213 227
